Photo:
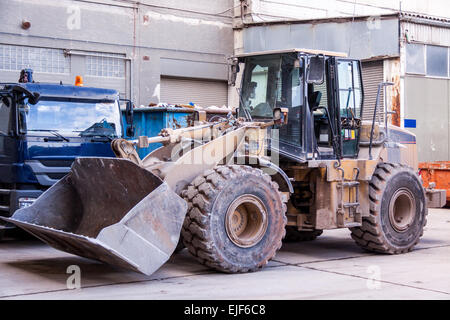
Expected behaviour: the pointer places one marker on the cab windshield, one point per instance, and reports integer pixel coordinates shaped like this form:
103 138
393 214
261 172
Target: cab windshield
270 82
69 118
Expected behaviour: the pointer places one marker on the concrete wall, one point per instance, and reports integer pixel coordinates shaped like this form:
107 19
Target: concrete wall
427 100
362 39
173 38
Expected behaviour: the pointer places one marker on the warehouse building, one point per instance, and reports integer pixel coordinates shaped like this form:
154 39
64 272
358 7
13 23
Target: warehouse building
409 50
151 51
176 51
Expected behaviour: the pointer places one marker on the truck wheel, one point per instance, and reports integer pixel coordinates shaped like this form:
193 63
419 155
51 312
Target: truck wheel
236 219
294 235
397 211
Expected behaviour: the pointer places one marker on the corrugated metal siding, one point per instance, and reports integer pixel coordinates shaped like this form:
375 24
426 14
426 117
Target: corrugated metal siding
372 73
201 92
427 34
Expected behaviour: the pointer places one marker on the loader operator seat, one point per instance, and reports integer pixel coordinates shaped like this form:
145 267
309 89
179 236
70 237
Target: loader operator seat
321 125
262 110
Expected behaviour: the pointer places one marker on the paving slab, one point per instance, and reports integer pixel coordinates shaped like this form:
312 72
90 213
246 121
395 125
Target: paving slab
332 267
426 268
338 244
284 282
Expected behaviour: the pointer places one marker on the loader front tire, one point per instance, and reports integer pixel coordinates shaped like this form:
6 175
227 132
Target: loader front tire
236 218
397 211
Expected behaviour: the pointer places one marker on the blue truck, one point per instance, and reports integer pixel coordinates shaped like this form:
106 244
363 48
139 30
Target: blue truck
44 127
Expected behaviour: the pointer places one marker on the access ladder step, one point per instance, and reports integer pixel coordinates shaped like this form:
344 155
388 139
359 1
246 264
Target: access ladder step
352 225
351 204
349 184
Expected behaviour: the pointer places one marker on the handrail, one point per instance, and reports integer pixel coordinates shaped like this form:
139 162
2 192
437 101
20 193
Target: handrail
377 102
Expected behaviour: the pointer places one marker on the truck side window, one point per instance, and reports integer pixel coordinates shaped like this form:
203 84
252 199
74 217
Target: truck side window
5 112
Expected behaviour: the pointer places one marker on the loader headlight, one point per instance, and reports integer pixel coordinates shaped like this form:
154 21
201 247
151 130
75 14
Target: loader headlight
26 202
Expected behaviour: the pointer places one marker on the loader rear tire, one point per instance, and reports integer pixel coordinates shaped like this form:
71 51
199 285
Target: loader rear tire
236 219
294 235
397 211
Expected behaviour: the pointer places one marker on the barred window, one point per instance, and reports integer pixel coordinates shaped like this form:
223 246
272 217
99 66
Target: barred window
46 60
105 65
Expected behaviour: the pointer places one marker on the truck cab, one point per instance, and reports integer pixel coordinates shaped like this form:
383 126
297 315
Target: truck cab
40 138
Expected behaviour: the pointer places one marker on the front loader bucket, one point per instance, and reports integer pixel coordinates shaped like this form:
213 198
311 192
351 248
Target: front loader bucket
110 210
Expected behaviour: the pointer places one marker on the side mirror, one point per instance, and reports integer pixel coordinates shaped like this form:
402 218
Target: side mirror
129 116
34 98
130 131
316 70
129 112
234 70
6 101
280 116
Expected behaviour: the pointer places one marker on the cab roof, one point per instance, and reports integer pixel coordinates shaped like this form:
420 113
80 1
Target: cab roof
293 50
61 91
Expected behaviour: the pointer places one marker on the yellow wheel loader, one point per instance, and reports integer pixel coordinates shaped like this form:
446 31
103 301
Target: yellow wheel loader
296 160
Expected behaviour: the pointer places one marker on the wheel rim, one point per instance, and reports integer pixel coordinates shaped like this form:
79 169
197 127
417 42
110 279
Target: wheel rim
246 221
402 209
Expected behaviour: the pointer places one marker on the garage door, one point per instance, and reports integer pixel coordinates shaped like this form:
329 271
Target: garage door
201 92
372 73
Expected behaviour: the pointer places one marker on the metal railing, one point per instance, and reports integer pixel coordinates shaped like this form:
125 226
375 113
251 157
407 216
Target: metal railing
381 86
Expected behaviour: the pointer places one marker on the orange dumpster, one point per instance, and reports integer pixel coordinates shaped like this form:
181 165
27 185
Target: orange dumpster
436 174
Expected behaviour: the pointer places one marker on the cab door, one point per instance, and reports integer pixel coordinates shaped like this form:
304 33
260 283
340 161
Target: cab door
349 101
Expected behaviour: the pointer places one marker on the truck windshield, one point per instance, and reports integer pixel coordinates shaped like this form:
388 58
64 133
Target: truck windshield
72 118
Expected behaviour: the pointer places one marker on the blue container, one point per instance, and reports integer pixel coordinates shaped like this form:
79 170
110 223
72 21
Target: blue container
149 121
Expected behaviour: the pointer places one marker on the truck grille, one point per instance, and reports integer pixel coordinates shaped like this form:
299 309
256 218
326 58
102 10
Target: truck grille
56 163
56 175
5 190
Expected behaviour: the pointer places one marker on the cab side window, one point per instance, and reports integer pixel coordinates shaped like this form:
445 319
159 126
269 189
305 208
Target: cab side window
350 97
350 100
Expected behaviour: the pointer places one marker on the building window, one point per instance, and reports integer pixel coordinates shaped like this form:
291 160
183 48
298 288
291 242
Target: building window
14 58
415 58
105 65
437 61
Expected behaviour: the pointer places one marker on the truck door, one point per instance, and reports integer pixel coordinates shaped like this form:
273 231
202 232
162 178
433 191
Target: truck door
349 100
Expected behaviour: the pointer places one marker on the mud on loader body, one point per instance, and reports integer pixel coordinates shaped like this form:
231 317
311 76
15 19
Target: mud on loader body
296 160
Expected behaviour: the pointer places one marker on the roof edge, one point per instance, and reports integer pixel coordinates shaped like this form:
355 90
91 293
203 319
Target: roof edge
293 50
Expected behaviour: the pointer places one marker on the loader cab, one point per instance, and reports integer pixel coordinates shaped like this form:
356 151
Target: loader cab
322 92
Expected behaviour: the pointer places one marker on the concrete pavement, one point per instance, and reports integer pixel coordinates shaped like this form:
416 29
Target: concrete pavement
331 267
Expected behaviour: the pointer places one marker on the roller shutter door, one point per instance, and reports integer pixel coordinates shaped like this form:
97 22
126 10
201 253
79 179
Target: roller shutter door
372 73
201 92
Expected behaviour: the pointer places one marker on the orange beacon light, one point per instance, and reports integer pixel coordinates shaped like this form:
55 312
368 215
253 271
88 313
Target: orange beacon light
79 81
